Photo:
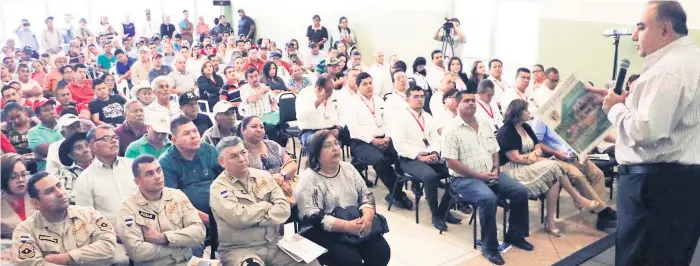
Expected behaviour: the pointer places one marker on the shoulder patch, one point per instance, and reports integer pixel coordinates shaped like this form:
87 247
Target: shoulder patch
224 193
147 215
48 238
251 261
129 221
26 251
24 238
103 224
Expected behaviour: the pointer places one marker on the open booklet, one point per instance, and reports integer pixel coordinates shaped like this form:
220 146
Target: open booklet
196 261
300 248
576 115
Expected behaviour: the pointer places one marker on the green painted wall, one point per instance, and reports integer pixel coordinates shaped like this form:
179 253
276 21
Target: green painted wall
579 47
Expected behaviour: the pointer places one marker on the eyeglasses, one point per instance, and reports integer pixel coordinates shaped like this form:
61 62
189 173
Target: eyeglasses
23 175
329 145
108 138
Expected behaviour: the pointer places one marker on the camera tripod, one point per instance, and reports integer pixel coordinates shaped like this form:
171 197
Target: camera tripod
447 41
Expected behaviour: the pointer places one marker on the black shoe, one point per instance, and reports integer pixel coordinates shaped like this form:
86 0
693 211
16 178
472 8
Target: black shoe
368 183
401 202
439 223
453 220
466 209
520 243
493 256
608 213
605 224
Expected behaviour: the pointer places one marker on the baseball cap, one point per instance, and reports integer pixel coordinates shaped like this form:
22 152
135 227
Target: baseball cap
67 146
187 98
143 49
222 107
332 61
41 103
288 44
67 120
141 86
156 55
159 121
276 54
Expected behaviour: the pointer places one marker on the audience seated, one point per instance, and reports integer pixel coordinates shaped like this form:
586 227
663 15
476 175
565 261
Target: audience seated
518 91
456 67
267 155
477 75
155 142
225 116
140 69
17 127
209 84
370 143
319 108
92 241
496 75
417 143
64 99
487 108
436 71
190 109
106 108
522 158
15 202
81 87
75 156
448 110
181 79
189 165
396 101
298 82
164 102
329 186
249 208
436 101
380 75
45 133
472 155
69 124
541 94
270 78
158 224
158 69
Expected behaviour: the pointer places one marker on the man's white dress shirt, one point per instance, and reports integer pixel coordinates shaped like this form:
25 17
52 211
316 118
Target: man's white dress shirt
410 130
511 94
381 80
105 187
434 77
365 118
173 112
660 120
499 89
326 115
489 112
394 103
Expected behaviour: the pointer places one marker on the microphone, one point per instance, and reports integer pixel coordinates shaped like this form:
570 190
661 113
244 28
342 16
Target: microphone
618 32
620 80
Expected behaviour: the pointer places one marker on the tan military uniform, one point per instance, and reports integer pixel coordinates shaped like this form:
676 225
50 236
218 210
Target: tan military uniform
9 219
85 234
248 217
173 215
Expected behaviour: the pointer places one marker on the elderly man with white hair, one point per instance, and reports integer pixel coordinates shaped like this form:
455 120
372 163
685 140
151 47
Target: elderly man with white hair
380 76
181 81
164 102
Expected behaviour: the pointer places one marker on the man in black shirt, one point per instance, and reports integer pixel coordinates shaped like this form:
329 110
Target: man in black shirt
316 33
106 108
189 108
246 26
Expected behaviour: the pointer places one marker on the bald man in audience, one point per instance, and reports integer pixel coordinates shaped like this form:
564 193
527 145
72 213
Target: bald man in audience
380 75
180 80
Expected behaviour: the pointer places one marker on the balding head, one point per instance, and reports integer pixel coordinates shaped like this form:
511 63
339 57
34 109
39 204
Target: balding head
180 63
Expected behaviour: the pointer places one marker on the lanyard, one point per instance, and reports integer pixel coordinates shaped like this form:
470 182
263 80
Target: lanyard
488 112
422 129
499 85
522 97
371 110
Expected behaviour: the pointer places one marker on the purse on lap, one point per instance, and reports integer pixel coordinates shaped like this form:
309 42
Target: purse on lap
379 224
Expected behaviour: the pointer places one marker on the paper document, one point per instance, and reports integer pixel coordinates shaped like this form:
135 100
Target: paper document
300 248
576 115
196 261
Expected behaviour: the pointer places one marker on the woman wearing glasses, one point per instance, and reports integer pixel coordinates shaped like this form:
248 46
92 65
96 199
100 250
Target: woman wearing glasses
267 155
14 206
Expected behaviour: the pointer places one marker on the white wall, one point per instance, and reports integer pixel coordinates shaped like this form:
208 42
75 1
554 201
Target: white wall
402 27
610 11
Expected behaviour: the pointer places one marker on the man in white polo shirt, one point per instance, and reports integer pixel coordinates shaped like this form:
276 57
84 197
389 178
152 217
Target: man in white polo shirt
181 81
319 109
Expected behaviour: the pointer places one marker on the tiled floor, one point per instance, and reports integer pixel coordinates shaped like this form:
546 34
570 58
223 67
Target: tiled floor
422 245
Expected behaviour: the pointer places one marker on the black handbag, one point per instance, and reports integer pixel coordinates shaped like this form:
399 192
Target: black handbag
379 224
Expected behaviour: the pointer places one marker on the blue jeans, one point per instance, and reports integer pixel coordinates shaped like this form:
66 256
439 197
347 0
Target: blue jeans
475 191
198 251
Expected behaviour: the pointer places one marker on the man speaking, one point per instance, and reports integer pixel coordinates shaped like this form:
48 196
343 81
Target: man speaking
658 144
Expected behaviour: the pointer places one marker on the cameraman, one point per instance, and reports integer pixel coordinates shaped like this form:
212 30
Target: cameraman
456 44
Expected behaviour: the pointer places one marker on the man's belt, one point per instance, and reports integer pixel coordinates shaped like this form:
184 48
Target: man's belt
654 168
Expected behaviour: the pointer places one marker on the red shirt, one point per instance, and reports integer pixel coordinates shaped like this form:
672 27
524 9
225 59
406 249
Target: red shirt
6 145
27 102
80 107
258 65
83 94
19 209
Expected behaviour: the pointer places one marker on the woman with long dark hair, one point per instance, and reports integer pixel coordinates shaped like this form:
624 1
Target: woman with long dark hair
343 33
269 77
478 73
456 67
209 84
419 73
521 158
329 187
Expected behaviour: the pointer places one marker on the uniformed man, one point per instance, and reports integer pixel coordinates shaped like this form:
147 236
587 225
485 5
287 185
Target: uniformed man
158 225
60 233
249 208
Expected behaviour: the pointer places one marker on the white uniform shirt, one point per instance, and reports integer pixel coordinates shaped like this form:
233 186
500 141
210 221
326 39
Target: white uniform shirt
309 116
410 130
489 113
541 94
660 120
511 94
434 77
105 187
395 102
381 79
365 118
500 87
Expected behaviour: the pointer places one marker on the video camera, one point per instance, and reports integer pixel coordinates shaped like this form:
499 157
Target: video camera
449 24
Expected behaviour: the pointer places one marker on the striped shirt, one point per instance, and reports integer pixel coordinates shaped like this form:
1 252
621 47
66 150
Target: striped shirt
260 107
660 119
